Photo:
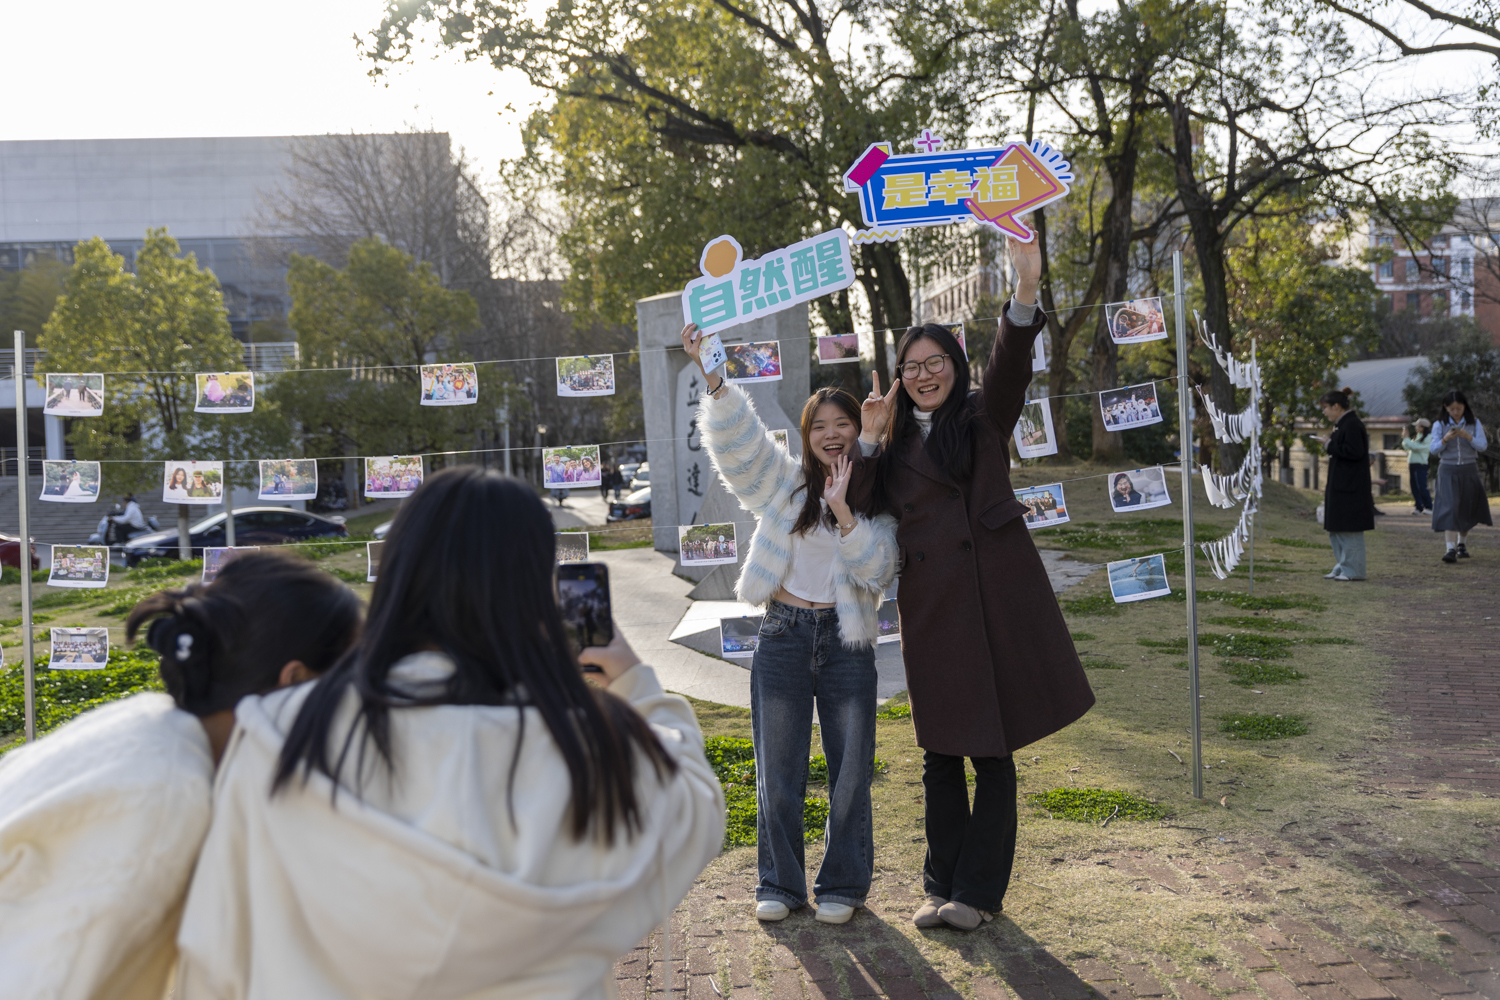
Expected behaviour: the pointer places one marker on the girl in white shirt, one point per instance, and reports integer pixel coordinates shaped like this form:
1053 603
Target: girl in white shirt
821 571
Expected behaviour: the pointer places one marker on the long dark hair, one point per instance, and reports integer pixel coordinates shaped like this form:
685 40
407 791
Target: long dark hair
468 569
813 474
1456 396
950 443
221 642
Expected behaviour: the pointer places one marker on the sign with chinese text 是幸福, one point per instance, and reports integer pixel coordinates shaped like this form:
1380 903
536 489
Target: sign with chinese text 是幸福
733 290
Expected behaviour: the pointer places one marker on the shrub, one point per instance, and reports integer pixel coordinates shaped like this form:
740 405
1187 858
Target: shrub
894 711
1245 726
1095 805
63 694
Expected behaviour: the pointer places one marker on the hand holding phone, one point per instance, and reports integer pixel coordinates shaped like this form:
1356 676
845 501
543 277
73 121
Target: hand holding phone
611 661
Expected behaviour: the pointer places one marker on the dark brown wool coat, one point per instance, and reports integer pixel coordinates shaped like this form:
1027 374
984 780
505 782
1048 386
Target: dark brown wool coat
989 663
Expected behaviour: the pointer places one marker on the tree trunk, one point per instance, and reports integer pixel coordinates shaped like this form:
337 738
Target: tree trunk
184 541
889 293
1119 224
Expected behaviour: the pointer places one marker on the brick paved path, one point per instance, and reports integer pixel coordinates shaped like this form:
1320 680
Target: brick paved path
1445 709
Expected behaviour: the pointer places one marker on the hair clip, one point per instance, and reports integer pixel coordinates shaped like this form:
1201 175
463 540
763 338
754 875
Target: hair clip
184 647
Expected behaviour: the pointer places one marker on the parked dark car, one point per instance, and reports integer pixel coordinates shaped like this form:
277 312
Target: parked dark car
252 526
634 507
10 552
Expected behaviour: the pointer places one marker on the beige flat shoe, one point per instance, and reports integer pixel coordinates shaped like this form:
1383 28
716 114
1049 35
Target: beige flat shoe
927 913
962 916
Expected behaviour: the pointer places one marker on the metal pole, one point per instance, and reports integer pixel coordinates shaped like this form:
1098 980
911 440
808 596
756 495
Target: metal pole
23 550
1185 440
228 508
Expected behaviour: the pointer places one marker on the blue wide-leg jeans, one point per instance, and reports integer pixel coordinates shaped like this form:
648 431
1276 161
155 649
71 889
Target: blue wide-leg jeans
799 661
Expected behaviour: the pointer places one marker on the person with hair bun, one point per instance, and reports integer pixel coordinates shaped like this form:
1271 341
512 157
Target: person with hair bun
1457 439
1348 507
101 821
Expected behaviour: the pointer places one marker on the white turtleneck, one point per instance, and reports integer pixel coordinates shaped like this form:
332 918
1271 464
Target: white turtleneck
924 421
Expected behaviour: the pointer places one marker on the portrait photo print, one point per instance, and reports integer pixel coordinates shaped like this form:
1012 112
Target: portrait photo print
1034 434
1139 489
79 649
225 392
78 395
707 544
738 637
215 560
288 479
449 385
393 476
571 467
193 482
1045 505
79 566
1136 321
572 546
1132 406
758 362
66 481
586 375
1138 579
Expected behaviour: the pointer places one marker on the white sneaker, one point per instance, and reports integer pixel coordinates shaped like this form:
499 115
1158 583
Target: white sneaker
771 910
1331 576
1341 578
834 913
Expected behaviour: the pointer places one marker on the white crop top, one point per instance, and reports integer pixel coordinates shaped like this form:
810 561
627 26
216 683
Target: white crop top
810 576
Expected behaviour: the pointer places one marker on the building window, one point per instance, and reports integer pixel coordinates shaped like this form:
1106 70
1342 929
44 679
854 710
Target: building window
1466 267
1384 241
1467 239
1414 301
1439 266
1466 302
1390 442
1439 303
1440 241
1390 302
1388 269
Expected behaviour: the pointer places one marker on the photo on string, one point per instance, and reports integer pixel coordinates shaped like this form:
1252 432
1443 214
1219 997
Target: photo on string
393 476
707 544
1034 434
1039 353
372 560
957 329
215 560
65 481
79 566
449 385
572 546
225 392
1138 579
1139 489
79 649
1136 321
738 637
888 622
1132 406
572 467
288 479
757 362
781 438
586 375
1045 505
192 482
838 349
76 395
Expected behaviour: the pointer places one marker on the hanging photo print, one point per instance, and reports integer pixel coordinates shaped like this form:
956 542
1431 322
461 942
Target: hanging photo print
586 376
707 544
738 637
79 566
1139 489
288 479
1132 406
570 468
449 385
733 290
392 477
957 329
1136 321
780 437
1138 579
70 482
193 482
572 546
79 649
215 560
372 560
1045 506
753 362
225 392
1039 353
889 622
1034 434
74 396
838 349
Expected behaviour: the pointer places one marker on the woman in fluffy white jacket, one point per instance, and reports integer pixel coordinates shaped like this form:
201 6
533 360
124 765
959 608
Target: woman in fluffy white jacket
821 571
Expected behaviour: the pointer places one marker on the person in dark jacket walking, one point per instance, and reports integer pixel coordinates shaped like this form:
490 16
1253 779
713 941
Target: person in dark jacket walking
1348 507
989 662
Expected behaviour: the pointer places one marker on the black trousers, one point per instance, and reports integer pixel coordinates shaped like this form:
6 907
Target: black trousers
970 853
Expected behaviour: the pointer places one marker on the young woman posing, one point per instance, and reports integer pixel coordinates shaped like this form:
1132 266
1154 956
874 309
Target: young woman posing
989 662
1457 438
452 811
821 571
101 821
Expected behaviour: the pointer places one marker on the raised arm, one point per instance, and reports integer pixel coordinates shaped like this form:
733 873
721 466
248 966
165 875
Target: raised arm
1008 372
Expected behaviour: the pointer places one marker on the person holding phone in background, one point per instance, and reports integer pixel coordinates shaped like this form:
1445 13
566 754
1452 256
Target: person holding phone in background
1416 445
1457 439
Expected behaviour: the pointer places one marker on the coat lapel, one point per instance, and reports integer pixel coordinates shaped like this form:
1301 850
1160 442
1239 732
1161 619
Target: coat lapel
914 454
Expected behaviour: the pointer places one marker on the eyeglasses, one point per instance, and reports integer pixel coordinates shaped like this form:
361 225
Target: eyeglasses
933 364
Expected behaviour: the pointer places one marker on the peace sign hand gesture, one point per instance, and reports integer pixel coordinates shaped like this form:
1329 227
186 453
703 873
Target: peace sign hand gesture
875 412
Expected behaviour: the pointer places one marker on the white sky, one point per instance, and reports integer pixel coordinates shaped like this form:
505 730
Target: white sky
182 68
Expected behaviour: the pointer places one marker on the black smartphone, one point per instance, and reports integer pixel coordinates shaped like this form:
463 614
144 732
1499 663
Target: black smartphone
583 595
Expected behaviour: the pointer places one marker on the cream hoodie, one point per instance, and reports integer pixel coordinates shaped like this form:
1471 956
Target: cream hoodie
100 823
428 885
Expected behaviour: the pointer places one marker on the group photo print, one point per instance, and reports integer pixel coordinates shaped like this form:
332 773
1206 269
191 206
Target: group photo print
572 467
572 546
225 392
888 622
215 559
74 395
1136 321
193 482
738 637
392 477
707 544
66 481
449 385
288 479
1045 506
586 375
1132 406
1139 489
79 566
79 648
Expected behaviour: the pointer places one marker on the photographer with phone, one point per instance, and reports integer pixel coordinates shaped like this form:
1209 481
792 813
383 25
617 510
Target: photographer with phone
452 810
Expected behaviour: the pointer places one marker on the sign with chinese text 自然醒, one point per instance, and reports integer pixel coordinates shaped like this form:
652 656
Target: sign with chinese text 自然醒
733 290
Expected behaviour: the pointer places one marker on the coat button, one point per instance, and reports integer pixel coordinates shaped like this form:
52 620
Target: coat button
968 545
908 508
953 494
920 556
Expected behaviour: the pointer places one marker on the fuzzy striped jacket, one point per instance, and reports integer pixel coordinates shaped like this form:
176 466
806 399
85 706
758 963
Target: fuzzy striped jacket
763 477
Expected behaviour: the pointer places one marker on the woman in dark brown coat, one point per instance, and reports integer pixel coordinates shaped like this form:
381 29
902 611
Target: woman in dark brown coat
989 663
